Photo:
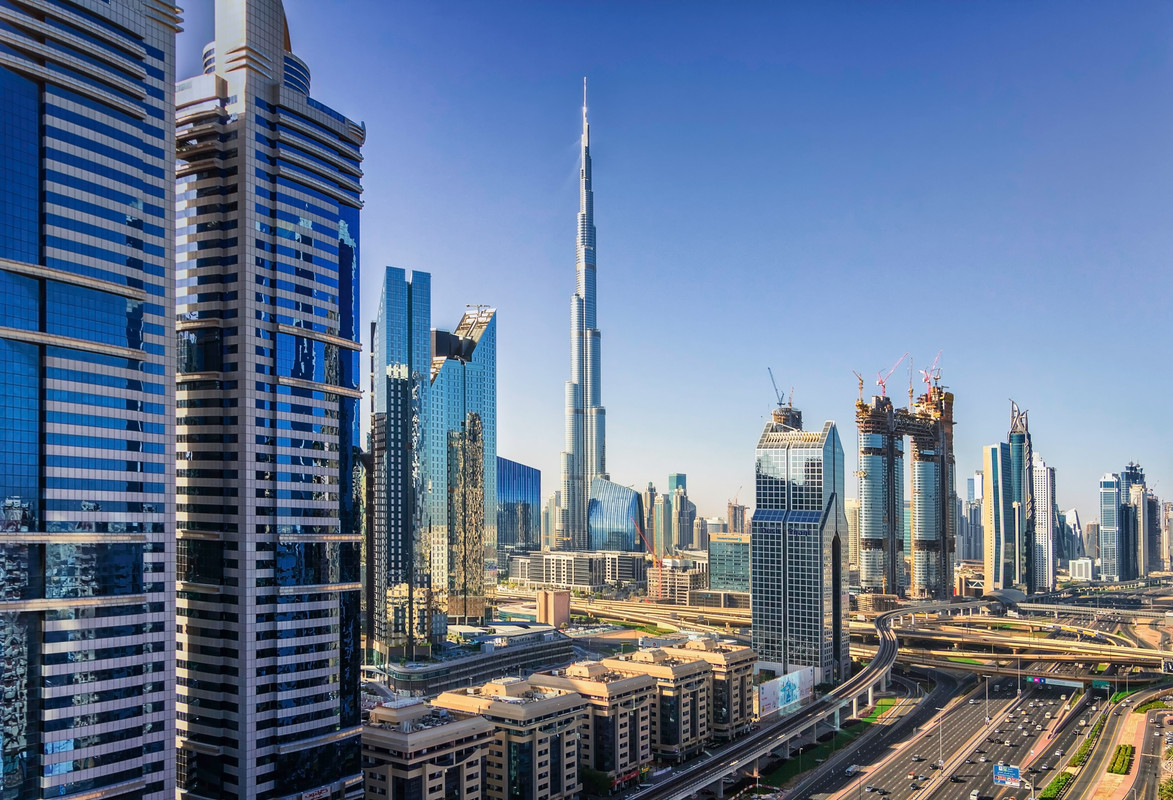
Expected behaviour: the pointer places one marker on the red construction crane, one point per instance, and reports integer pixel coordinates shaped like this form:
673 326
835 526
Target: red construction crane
655 556
882 380
932 374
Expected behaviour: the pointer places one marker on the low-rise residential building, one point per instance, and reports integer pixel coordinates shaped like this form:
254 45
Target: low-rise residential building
534 751
680 715
553 607
671 580
616 731
413 749
731 702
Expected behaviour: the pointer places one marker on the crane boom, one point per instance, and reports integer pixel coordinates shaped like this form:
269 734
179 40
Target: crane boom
882 380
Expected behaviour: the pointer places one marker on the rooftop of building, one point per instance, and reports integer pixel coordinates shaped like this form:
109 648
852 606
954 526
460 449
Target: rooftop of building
509 690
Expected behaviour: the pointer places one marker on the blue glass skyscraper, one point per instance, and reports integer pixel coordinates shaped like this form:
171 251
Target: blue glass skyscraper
1001 555
404 617
87 347
519 504
269 590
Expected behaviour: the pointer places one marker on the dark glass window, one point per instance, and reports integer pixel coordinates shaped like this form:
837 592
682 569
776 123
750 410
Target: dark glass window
20 164
200 350
19 432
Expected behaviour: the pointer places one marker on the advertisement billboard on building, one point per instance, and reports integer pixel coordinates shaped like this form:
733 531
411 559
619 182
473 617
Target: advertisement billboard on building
787 692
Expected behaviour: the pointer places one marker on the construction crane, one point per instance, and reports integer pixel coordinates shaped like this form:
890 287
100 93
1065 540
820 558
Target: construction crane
932 374
655 556
882 380
860 377
737 494
777 393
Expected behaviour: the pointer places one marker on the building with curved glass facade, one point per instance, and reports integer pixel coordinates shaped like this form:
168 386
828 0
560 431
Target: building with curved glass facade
267 246
613 514
87 477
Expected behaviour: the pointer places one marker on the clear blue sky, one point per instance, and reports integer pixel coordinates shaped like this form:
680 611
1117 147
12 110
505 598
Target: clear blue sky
813 187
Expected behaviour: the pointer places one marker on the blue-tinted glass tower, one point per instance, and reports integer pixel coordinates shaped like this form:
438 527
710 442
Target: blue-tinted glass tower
1113 544
615 518
1002 546
798 550
459 524
87 477
1022 496
519 506
269 590
403 614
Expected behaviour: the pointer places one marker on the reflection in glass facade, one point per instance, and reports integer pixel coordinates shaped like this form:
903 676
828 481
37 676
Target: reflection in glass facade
268 200
1001 546
519 498
86 348
403 616
614 512
1022 493
459 526
798 548
1112 544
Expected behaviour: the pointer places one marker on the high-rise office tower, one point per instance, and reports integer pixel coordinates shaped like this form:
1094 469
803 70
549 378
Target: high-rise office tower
1091 540
923 535
267 259
87 343
1047 532
585 456
1113 548
798 552
649 500
519 498
974 541
1073 535
683 512
405 618
1002 563
1167 534
729 562
851 508
460 467
1021 486
661 533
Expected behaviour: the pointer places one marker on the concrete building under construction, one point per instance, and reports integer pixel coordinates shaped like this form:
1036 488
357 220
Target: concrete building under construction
884 566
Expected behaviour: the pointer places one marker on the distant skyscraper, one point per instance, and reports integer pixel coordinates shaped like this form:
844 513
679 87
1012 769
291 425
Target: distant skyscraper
268 242
87 343
1021 486
615 518
1047 532
585 455
1091 540
1167 535
925 533
1073 532
519 502
851 508
736 517
1002 563
661 528
1113 547
798 550
683 512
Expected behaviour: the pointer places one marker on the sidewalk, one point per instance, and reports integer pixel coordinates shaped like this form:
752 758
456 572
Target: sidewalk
1116 787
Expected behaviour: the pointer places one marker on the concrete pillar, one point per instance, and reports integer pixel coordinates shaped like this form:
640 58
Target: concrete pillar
720 789
884 683
871 696
855 706
835 719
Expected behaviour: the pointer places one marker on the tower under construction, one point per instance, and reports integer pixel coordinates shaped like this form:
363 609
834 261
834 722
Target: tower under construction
884 565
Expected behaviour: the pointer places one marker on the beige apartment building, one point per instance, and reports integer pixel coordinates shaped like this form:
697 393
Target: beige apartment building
413 749
616 731
533 754
680 713
731 703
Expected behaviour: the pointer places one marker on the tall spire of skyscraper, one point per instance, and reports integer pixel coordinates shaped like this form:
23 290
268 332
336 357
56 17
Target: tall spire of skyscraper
585 456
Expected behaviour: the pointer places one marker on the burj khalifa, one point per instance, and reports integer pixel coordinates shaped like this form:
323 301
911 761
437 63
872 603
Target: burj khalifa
584 458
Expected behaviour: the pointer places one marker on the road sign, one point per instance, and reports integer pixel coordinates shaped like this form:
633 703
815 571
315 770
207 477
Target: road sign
1007 775
1101 685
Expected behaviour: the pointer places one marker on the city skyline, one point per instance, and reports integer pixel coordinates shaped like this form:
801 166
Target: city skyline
952 162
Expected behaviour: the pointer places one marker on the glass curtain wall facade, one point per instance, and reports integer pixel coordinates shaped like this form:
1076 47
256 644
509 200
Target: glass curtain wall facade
1001 546
519 499
459 526
87 345
881 498
615 517
1112 547
1022 496
798 551
404 616
1046 526
269 591
729 562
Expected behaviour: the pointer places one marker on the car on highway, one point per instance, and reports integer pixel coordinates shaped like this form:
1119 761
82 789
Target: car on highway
869 788
1001 763
914 786
922 777
955 779
984 760
918 757
1038 727
969 761
1059 753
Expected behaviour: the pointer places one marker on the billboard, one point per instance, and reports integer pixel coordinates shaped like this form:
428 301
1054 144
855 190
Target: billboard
787 692
1007 775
